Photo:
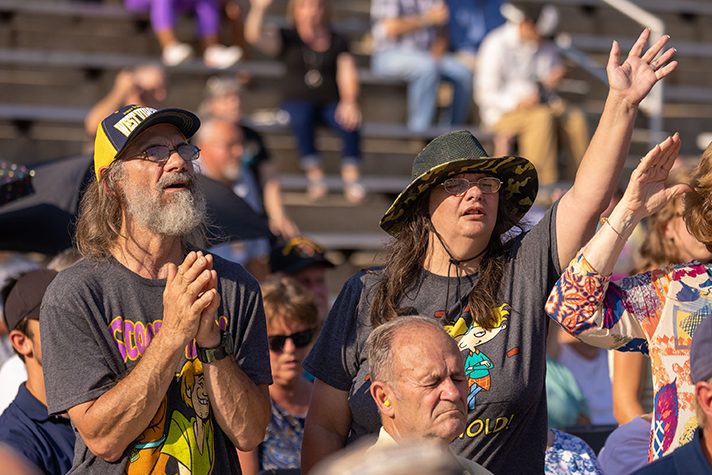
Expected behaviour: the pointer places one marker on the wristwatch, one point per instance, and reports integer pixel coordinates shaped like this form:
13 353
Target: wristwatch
210 355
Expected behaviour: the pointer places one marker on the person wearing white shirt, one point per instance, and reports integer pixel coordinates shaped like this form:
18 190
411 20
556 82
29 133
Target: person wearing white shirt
519 71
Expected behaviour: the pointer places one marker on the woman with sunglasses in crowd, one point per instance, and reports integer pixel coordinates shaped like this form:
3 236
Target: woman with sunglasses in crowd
292 323
449 260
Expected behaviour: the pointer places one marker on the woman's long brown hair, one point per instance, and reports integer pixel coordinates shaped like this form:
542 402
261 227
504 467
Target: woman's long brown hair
406 256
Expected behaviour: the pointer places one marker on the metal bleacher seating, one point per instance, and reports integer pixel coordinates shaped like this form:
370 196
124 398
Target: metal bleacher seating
59 57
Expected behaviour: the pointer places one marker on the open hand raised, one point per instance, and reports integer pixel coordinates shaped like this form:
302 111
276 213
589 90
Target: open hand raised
646 192
640 71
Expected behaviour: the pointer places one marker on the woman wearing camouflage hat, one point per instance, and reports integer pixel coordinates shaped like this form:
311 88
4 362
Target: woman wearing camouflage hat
449 260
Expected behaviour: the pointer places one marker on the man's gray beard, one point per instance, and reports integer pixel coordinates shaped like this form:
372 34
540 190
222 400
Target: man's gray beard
184 211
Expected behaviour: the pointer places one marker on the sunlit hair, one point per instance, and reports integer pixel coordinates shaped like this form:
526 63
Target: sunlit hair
698 202
325 19
404 265
64 259
657 250
99 221
100 215
287 301
379 345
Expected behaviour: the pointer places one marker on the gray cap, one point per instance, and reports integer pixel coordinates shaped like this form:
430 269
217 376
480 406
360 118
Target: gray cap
701 352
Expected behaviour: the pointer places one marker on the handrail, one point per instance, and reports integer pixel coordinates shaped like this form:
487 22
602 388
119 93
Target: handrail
653 104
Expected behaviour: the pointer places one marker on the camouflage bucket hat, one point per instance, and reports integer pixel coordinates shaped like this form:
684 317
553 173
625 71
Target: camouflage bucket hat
460 152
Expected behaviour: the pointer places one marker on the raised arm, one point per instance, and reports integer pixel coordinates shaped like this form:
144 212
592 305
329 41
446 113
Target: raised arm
266 40
645 194
581 300
600 168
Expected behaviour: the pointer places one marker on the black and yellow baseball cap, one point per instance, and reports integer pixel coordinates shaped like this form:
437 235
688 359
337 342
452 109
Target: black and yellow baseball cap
118 130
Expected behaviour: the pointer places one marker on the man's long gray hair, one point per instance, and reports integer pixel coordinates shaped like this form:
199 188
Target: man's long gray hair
100 215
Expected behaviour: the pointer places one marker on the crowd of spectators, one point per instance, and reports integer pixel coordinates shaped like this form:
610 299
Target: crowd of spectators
480 346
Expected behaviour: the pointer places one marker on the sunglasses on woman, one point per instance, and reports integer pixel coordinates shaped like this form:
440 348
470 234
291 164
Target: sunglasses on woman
300 339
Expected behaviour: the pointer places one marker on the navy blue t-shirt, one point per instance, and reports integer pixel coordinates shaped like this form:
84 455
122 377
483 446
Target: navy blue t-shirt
686 459
46 441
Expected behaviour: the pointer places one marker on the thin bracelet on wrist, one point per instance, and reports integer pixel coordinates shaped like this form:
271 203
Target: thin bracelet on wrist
604 220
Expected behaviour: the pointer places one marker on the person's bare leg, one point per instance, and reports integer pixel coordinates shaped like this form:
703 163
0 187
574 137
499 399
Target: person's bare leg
353 190
316 186
166 38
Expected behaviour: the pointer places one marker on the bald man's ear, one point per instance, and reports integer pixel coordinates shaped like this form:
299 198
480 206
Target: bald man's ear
383 395
703 393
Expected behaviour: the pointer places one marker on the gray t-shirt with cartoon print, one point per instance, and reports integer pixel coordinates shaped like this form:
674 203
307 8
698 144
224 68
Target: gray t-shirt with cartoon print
507 426
97 320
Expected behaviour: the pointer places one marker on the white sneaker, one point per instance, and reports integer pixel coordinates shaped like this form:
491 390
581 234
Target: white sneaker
221 57
176 53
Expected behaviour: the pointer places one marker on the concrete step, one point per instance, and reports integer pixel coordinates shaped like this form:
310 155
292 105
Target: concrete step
382 98
333 213
372 183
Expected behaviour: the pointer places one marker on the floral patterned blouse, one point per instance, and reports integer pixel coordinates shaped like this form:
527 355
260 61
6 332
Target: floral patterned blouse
657 313
283 442
569 455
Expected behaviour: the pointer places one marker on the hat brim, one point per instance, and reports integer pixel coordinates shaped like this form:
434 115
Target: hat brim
303 264
185 121
518 175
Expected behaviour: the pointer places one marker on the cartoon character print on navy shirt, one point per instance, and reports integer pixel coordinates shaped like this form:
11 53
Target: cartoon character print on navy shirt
477 363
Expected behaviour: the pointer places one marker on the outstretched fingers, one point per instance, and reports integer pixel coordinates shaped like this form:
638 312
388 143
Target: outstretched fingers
637 49
672 152
614 57
656 164
665 70
654 49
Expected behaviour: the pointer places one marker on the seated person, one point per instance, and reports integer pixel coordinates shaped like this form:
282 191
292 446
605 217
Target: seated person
163 18
516 92
320 86
410 42
221 144
306 261
292 324
223 101
144 84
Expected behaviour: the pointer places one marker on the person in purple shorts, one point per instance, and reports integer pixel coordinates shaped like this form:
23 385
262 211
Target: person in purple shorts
163 18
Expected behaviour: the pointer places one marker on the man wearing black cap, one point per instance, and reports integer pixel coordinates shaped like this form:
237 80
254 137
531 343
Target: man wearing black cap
306 261
25 426
696 455
157 350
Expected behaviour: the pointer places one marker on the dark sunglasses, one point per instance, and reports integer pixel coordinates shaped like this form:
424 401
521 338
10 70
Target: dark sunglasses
300 339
